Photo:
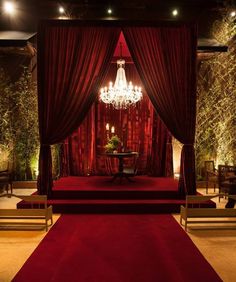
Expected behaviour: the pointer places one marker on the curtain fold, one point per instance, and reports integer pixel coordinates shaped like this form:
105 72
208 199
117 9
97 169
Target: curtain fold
64 167
161 157
82 147
166 63
72 61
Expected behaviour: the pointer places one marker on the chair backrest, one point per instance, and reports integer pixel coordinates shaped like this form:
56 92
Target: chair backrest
132 168
5 174
209 166
225 171
136 158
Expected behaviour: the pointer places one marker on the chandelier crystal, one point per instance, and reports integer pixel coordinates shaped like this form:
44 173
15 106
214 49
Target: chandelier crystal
121 95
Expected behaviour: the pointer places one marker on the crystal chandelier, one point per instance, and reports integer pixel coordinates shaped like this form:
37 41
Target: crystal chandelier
121 95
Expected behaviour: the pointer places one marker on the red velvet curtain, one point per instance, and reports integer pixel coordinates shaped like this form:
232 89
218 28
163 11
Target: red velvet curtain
80 148
139 128
161 158
72 61
166 62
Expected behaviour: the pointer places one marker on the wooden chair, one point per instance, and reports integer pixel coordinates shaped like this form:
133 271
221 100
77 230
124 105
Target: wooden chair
211 175
225 174
132 170
6 179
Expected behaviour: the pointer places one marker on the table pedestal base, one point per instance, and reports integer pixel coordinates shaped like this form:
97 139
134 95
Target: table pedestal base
121 175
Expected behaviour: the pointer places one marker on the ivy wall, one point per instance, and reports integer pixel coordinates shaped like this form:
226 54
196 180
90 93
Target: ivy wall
216 102
19 140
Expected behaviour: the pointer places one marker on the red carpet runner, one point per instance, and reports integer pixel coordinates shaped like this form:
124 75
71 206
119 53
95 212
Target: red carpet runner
112 248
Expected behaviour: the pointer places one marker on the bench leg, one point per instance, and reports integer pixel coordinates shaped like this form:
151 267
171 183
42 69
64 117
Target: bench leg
51 221
185 225
7 186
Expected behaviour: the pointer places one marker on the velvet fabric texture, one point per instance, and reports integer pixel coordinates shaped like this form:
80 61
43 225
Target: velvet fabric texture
168 72
72 62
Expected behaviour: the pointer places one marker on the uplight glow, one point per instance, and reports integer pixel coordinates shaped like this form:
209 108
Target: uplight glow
233 14
9 7
61 10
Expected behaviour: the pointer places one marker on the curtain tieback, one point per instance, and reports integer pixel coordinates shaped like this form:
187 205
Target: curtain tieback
187 144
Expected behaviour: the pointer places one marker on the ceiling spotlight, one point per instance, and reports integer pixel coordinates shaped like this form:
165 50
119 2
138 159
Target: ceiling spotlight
233 14
109 11
61 10
9 7
175 12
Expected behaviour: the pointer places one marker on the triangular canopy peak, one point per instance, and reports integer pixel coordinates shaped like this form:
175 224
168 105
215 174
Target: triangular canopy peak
125 50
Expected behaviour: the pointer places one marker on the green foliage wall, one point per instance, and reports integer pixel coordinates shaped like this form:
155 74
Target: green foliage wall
19 124
216 103
6 109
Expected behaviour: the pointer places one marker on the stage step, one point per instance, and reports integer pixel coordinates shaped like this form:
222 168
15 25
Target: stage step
114 206
114 194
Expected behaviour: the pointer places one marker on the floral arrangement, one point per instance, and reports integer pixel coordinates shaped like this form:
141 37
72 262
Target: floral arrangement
112 144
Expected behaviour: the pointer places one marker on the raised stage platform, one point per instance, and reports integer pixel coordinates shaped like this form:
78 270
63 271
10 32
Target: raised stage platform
97 194
101 187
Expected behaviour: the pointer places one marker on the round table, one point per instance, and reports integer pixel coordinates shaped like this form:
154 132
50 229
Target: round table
120 156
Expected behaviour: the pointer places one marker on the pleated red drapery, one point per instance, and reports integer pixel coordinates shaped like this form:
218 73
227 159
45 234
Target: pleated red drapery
166 62
72 62
78 154
161 158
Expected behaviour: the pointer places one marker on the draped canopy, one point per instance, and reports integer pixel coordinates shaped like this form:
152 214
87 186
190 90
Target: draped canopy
72 61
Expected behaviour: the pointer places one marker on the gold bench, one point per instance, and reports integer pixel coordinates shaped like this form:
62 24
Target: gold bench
39 211
193 209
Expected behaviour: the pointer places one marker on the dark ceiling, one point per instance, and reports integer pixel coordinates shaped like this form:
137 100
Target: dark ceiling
31 11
